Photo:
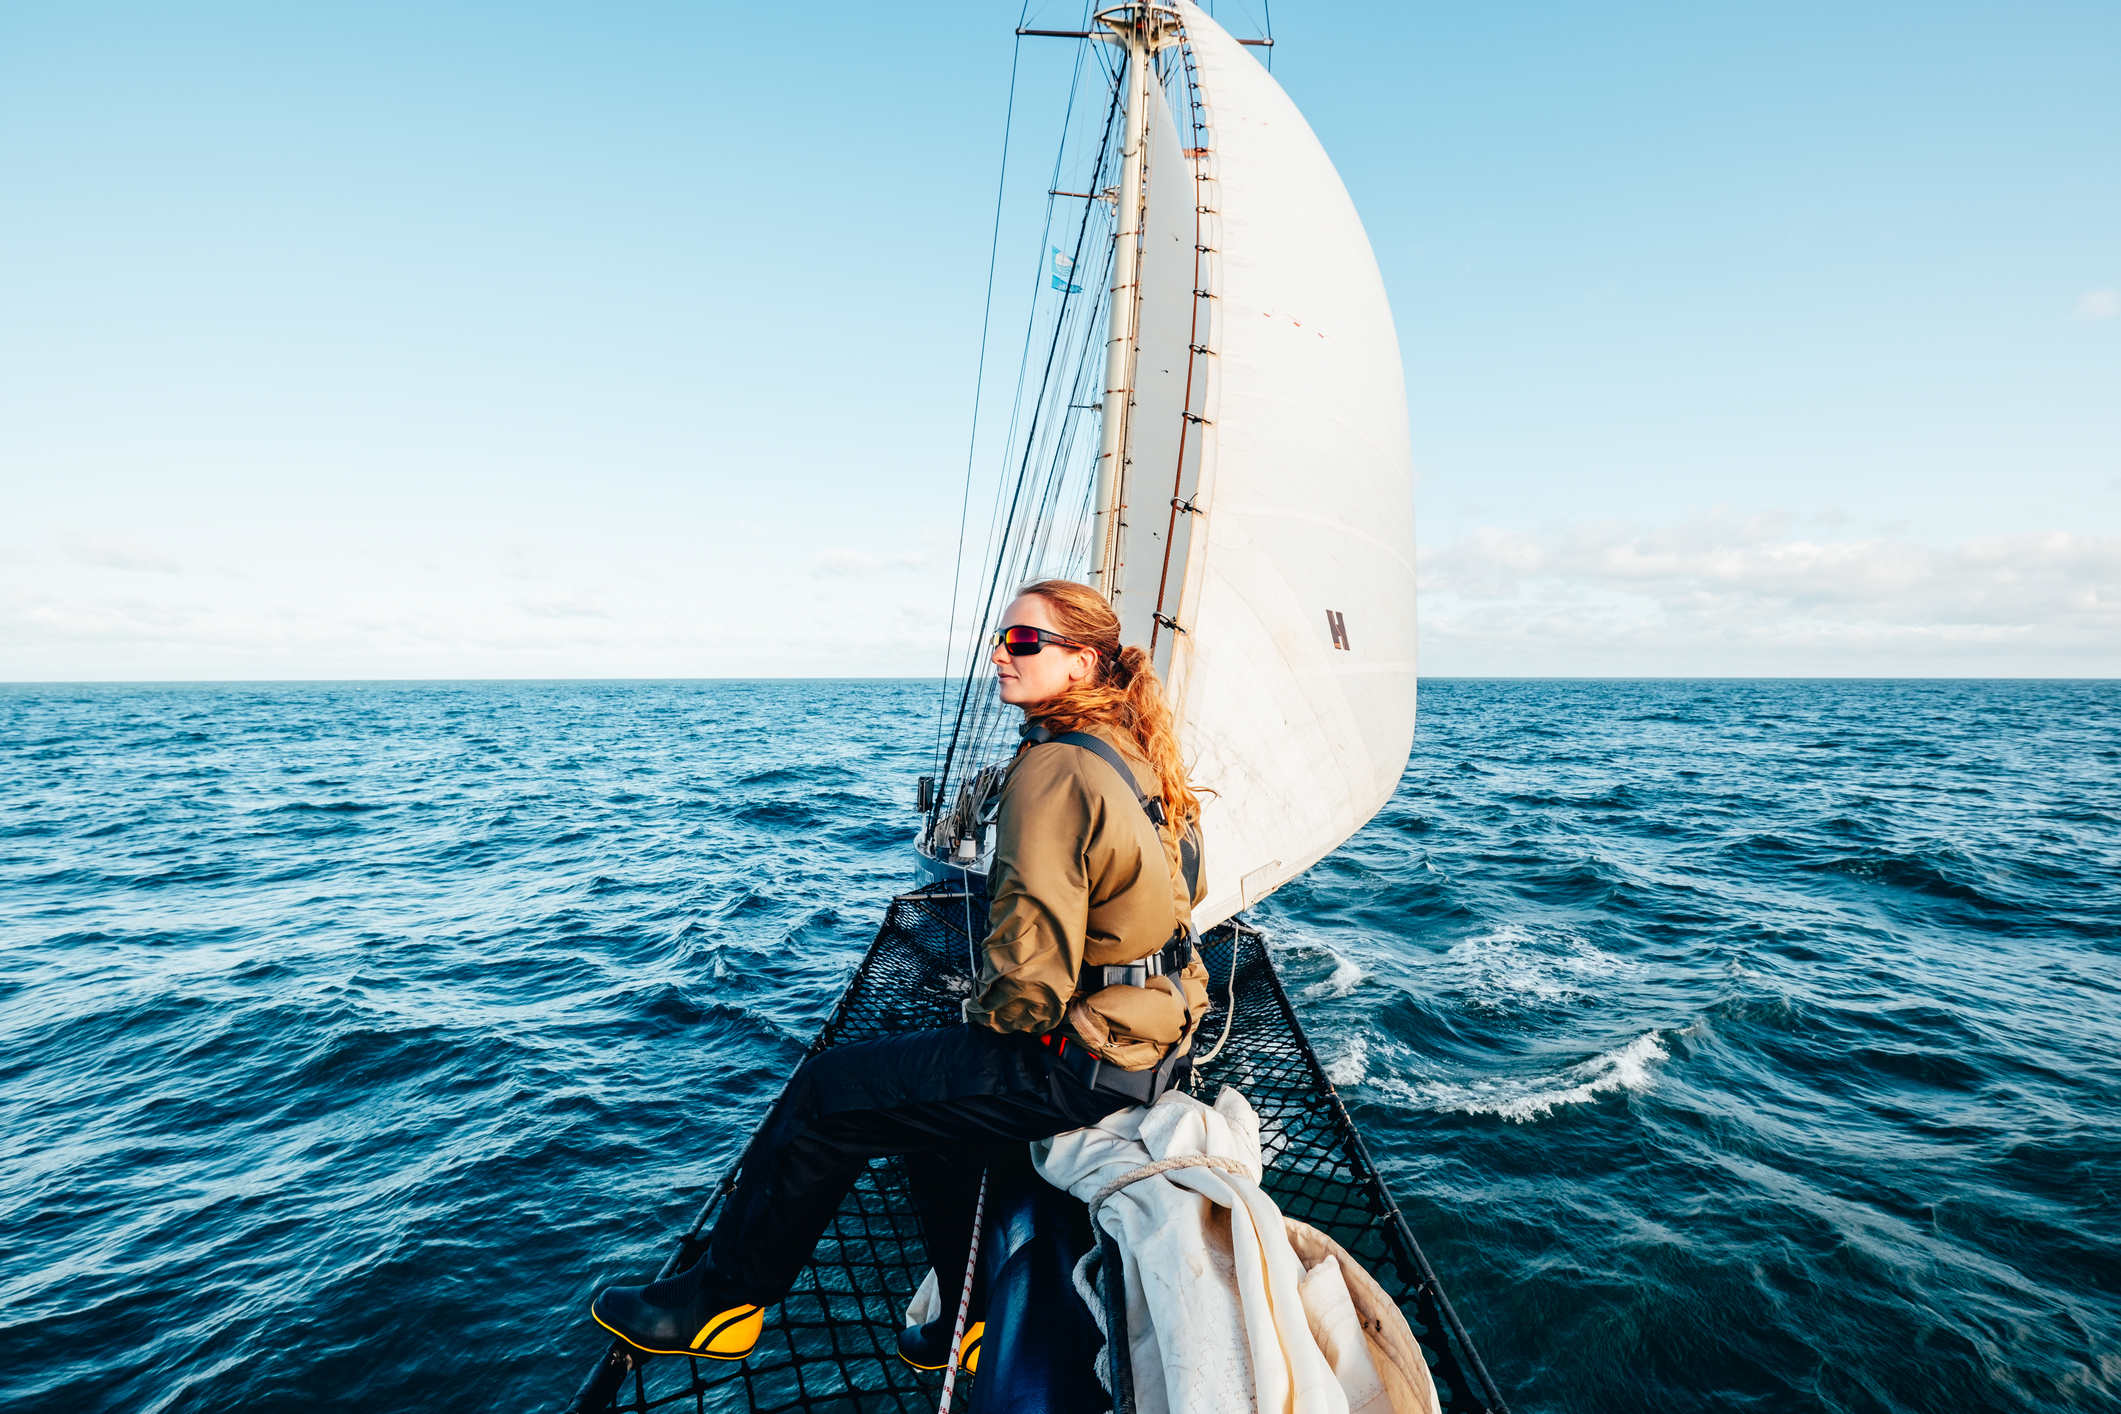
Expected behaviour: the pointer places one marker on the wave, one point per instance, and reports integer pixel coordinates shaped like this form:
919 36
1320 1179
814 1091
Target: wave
1292 941
1944 873
1511 966
325 807
1352 1066
1624 1070
1348 974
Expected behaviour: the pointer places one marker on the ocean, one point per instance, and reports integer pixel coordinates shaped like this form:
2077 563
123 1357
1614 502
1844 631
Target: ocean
1742 1045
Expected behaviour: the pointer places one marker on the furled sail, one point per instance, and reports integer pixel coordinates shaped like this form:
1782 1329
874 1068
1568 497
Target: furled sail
1169 383
1292 662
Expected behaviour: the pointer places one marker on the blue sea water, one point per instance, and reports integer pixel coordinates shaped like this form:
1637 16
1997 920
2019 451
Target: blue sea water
1730 1045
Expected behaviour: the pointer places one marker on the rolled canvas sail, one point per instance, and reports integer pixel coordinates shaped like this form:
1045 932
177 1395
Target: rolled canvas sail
1293 675
1163 448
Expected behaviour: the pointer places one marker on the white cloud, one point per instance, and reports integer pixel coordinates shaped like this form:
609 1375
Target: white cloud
1715 594
576 608
133 558
428 600
862 564
2099 304
1769 594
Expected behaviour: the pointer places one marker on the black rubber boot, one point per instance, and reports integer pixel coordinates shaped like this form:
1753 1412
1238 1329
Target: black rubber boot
682 1315
923 1347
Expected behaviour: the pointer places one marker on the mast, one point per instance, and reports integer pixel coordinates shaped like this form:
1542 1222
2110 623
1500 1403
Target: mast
1142 29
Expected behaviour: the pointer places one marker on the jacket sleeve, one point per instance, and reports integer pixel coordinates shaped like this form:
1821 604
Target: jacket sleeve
1038 912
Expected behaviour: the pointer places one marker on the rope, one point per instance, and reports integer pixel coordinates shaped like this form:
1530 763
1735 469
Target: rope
972 939
1237 931
1182 1161
964 1300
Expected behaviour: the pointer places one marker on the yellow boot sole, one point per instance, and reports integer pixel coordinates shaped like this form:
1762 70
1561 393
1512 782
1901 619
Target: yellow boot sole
967 1353
728 1335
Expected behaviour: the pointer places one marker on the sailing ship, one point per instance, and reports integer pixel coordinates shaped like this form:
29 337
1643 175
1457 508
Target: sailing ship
1210 428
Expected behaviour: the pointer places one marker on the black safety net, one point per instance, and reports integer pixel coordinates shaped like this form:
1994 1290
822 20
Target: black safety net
831 1345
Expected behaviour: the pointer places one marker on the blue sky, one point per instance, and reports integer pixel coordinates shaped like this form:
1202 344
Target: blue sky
540 340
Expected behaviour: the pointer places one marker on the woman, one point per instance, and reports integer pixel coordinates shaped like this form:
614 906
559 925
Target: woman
1086 999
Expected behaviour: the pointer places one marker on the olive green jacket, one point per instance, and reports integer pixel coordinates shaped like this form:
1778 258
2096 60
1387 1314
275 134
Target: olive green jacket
1082 877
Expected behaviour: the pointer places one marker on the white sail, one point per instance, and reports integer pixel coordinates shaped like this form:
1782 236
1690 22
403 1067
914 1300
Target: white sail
1293 668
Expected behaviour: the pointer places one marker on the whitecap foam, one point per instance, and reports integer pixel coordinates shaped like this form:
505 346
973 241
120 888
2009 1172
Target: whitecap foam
1626 1068
1510 966
1352 1064
1348 974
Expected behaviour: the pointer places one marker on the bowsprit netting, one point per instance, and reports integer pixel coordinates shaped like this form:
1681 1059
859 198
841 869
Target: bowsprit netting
831 1345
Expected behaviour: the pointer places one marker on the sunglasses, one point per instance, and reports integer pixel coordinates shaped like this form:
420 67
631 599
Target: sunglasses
1022 640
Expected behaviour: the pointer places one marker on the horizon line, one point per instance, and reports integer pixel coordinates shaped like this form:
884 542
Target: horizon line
881 678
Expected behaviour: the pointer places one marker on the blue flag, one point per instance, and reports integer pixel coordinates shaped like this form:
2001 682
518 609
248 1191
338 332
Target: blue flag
1064 273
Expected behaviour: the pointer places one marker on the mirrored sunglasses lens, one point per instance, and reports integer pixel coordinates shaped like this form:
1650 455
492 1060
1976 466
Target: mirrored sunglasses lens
1020 641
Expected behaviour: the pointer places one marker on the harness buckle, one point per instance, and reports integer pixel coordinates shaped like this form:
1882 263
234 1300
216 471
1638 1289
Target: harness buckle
1167 961
1130 974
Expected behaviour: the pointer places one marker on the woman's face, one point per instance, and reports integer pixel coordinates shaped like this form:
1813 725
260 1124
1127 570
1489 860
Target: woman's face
1038 677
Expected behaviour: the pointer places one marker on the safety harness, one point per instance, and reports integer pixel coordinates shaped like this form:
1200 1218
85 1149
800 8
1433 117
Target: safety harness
1038 734
1141 1086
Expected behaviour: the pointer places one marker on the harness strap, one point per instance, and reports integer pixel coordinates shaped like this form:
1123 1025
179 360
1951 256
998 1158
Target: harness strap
1141 1086
1038 733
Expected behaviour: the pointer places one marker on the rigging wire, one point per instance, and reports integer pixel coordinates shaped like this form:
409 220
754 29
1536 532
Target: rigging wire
1022 536
1016 409
1053 441
1053 422
1023 362
964 1299
1031 557
1040 524
1016 492
1059 425
979 377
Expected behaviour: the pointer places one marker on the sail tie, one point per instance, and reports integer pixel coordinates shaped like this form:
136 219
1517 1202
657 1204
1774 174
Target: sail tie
1177 1161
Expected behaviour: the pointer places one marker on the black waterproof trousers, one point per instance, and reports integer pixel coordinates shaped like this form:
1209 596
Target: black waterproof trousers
943 1099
